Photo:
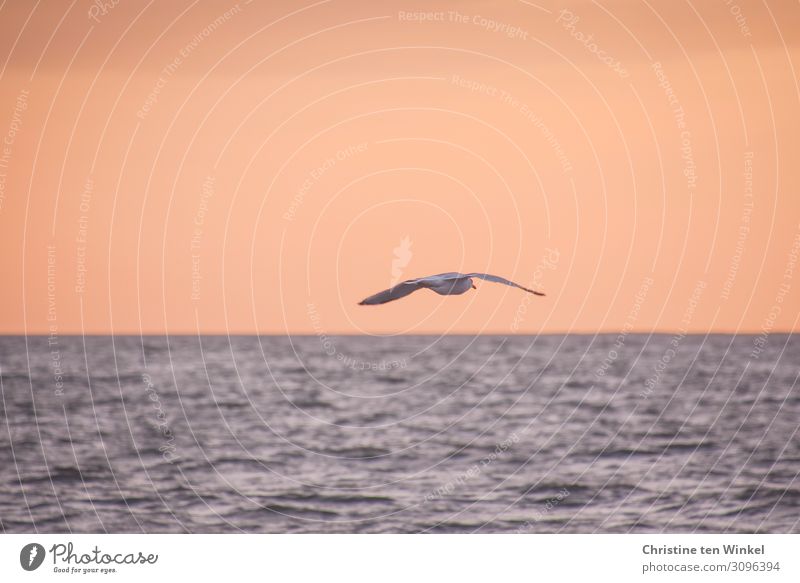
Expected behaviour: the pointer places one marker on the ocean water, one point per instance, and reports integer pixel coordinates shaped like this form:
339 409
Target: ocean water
400 434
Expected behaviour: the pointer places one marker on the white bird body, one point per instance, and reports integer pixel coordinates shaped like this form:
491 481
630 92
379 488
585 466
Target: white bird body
445 284
451 287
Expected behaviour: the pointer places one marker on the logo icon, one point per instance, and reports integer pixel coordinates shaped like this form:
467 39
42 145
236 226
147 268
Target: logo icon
402 255
31 556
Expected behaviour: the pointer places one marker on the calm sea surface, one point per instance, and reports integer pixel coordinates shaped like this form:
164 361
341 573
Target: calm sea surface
405 434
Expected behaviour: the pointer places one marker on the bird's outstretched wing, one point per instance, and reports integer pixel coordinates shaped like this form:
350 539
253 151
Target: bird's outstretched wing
401 290
498 279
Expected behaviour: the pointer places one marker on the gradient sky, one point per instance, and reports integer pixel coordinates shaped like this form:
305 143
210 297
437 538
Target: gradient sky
184 167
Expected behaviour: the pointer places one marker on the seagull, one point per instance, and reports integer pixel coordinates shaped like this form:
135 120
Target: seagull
444 284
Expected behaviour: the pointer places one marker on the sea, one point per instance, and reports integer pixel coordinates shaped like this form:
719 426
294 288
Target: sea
610 433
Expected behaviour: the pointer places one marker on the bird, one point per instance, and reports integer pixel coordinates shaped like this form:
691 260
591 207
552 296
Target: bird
444 284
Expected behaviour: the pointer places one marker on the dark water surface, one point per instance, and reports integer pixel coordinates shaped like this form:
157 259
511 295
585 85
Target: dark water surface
405 434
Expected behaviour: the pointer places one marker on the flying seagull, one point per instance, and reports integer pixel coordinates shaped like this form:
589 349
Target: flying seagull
444 284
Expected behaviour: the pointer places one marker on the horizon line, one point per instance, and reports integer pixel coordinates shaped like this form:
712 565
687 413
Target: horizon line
388 334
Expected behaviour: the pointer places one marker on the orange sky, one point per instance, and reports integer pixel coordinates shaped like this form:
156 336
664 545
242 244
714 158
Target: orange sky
177 167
